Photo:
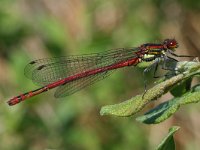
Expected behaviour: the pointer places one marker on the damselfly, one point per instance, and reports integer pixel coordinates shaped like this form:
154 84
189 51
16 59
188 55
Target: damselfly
72 73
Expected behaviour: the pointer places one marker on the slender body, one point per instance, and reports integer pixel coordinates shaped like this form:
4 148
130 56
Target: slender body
73 73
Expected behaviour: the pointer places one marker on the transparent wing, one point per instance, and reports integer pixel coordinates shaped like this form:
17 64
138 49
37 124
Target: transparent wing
45 71
74 86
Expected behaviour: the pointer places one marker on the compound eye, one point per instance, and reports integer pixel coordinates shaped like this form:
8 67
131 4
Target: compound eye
173 44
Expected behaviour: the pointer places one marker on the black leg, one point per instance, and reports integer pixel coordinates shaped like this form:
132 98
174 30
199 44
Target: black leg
154 65
170 68
179 55
145 81
155 70
168 60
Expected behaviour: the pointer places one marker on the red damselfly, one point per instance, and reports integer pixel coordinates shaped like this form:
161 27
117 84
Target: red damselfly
72 73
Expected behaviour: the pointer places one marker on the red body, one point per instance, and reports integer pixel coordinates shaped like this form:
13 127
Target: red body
137 56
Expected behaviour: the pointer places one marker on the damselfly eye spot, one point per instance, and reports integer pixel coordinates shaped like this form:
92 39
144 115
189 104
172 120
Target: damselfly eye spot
41 67
170 43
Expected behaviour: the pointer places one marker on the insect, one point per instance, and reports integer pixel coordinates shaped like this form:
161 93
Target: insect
72 73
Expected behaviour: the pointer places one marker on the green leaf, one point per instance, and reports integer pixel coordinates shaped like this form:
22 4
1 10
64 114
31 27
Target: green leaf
137 103
168 142
159 113
168 108
181 88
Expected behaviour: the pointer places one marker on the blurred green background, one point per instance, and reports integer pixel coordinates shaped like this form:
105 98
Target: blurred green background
33 29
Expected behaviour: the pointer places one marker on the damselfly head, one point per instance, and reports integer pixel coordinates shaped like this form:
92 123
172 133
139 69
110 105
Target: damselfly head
170 44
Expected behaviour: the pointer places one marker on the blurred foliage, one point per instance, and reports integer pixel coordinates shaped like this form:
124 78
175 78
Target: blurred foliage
37 29
168 142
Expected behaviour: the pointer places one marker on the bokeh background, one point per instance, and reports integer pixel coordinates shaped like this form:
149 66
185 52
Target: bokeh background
33 29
